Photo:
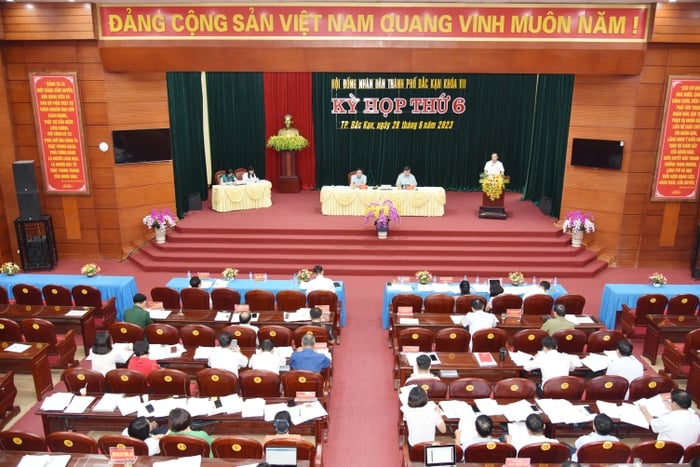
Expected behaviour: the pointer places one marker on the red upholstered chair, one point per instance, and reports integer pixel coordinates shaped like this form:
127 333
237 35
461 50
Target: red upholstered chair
683 304
166 295
4 296
290 300
236 447
76 379
239 173
168 381
545 453
194 299
259 383
538 304
604 339
160 333
421 337
649 304
606 388
260 300
452 340
463 303
570 340
505 302
121 331
63 347
121 441
21 441
666 452
439 303
306 451
279 335
677 357
514 388
57 295
469 388
85 295
301 380
10 331
323 297
197 335
490 452
528 340
435 388
650 385
71 441
26 294
183 446
320 333
489 340
405 299
225 299
247 337
564 387
417 453
125 381
574 303
605 452
217 177
214 382
691 452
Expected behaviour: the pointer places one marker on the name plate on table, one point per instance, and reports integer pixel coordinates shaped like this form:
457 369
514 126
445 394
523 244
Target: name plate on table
241 307
125 455
516 313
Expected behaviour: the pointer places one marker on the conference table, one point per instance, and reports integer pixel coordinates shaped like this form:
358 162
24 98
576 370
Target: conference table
616 295
225 198
273 285
33 360
662 327
393 289
122 288
424 201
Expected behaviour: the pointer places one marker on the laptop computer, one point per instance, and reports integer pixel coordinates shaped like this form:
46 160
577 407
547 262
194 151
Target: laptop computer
440 455
281 456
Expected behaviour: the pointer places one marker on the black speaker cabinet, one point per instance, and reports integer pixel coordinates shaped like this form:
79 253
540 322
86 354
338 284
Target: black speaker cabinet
29 206
37 244
26 189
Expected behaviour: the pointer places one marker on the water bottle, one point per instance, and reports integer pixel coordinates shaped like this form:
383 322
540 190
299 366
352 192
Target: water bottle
534 280
477 279
464 278
189 275
502 354
250 275
554 281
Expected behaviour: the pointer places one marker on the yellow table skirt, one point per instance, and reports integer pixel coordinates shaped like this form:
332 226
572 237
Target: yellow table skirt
226 198
421 202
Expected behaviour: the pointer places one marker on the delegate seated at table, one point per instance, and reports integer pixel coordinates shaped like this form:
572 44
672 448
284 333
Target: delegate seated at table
535 433
602 426
307 358
558 322
180 423
406 178
319 282
474 430
228 177
137 314
249 175
422 370
103 357
550 361
681 424
422 418
358 179
626 365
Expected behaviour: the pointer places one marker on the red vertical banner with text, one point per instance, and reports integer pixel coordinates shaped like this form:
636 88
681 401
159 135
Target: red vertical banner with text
59 132
678 160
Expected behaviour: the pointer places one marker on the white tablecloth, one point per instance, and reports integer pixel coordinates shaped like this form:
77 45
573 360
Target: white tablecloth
427 201
226 198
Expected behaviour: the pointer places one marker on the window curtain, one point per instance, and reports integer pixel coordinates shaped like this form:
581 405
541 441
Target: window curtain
290 93
185 107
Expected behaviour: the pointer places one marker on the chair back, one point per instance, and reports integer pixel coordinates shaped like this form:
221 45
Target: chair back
406 299
319 332
463 303
10 331
416 453
214 382
435 388
574 303
606 388
169 381
239 173
489 340
122 331
4 296
306 451
197 335
183 446
71 441
236 447
290 300
439 303
649 304
470 388
691 452
323 297
564 387
570 340
606 452
194 299
489 452
545 453
225 299
528 340
217 177
514 388
659 451
605 339
260 300
421 337
259 383
452 340
126 381
301 380
538 304
161 333
650 385
247 337
683 304
57 295
504 302
168 296
21 441
86 295
76 379
39 330
279 335
121 441
26 294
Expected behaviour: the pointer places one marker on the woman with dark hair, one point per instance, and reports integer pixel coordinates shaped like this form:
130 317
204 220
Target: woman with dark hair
143 429
495 290
228 177
464 288
422 417
249 175
180 422
102 356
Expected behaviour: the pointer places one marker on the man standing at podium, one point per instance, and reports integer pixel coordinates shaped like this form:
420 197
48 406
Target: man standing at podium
494 166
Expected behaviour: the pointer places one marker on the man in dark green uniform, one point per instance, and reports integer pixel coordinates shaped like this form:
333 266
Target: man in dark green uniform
137 314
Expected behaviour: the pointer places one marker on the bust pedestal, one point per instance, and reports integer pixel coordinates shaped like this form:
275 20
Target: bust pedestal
288 181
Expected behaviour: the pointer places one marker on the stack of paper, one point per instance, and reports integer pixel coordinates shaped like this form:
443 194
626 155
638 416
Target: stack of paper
485 359
563 411
273 409
488 407
457 319
43 460
231 403
76 313
203 353
254 407
301 413
223 316
17 347
630 413
129 405
159 314
57 401
516 411
456 409
410 321
583 319
190 461
199 406
656 405
520 357
161 352
108 402
302 314
79 404
596 362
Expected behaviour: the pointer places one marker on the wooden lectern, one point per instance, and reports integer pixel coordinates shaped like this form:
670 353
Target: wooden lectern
289 180
493 208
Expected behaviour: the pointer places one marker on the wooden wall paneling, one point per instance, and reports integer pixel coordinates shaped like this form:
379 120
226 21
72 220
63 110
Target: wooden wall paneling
95 112
648 117
72 217
638 183
669 223
676 22
51 22
10 211
650 94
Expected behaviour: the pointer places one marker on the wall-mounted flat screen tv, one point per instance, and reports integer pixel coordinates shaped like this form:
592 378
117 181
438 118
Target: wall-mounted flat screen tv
150 145
604 154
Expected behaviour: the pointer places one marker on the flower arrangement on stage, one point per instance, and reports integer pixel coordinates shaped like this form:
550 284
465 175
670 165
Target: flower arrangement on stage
90 269
577 221
516 278
287 143
162 219
9 268
657 279
424 276
382 213
493 185
230 273
303 275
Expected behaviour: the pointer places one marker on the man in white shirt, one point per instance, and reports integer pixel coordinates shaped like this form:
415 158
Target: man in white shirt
550 361
541 289
535 433
473 431
422 370
267 359
494 166
319 282
478 319
406 178
681 424
626 365
358 179
602 426
228 355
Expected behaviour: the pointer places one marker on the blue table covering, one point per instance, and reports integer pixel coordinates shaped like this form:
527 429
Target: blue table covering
123 288
390 290
273 285
615 295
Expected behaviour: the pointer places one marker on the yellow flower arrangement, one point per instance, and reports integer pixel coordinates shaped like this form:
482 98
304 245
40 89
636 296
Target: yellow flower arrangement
424 276
657 279
303 275
516 278
230 273
9 268
493 185
287 143
90 269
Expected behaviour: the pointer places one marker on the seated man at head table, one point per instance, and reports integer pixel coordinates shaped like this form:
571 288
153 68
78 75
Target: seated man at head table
558 323
306 358
249 175
406 178
358 179
319 282
541 289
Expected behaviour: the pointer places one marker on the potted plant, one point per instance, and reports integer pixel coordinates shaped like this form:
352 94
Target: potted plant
657 279
382 213
90 269
516 278
424 276
578 222
229 273
160 220
9 268
287 143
